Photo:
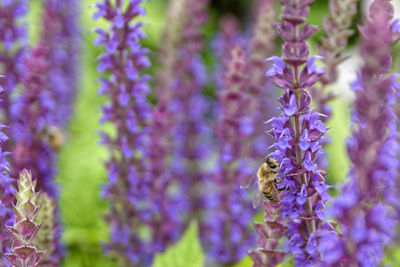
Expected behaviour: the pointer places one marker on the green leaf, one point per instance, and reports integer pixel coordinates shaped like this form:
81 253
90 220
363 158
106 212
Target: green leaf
186 253
246 262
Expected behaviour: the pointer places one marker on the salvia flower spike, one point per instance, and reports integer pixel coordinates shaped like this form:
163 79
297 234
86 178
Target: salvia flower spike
45 239
13 34
6 195
262 92
297 133
61 36
227 235
362 209
337 32
192 147
32 110
130 187
24 253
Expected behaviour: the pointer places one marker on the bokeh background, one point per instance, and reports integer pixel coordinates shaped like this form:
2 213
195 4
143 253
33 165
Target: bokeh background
81 169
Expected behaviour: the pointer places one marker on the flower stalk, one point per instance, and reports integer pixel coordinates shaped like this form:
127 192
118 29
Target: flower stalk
13 35
32 150
24 253
297 133
364 209
61 37
6 196
337 33
137 187
227 235
46 239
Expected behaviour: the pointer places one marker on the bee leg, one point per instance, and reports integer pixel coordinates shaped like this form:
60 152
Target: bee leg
277 183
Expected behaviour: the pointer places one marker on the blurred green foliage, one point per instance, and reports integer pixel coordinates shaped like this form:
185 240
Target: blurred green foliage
81 168
185 253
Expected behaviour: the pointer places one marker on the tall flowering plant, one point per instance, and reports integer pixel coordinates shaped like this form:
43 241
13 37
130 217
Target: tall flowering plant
24 231
13 36
297 133
260 89
31 110
136 189
171 206
32 113
6 197
362 209
228 36
47 240
60 34
190 130
226 232
337 32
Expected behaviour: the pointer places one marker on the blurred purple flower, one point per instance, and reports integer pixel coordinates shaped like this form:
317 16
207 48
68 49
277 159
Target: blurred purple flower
32 122
31 112
362 209
228 36
337 32
190 130
6 197
297 133
61 35
139 181
14 37
260 89
225 231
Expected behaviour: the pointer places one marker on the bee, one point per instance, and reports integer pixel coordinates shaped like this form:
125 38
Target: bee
267 182
54 136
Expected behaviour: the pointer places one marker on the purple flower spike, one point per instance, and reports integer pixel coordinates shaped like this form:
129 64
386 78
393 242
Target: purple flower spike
228 37
46 239
61 37
6 197
297 133
337 32
262 91
26 226
32 108
366 219
13 35
190 132
230 208
140 181
33 130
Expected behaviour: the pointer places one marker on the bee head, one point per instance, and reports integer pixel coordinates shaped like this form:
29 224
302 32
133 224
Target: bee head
272 164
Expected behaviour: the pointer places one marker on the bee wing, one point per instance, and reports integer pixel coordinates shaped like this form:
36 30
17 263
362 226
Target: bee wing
248 182
257 198
259 194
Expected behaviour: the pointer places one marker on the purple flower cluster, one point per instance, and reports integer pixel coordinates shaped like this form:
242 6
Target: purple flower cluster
262 92
31 113
297 133
362 209
13 35
6 196
228 36
60 34
137 187
191 133
268 252
227 221
337 30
